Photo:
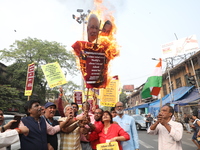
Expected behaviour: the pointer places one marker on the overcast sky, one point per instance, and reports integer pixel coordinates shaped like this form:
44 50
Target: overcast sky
142 27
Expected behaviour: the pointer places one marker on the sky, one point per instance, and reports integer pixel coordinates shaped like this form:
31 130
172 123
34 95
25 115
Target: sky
142 27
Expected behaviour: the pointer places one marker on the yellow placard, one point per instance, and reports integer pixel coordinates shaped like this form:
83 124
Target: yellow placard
110 95
108 146
54 74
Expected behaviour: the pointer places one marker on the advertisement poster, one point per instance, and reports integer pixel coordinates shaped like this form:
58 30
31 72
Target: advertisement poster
180 47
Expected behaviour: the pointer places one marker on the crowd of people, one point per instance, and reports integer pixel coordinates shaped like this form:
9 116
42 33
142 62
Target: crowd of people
91 127
77 131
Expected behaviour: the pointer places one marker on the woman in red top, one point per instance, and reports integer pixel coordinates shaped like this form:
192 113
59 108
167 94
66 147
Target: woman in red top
111 132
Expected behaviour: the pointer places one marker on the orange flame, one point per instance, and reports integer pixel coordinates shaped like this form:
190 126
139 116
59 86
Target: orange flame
106 42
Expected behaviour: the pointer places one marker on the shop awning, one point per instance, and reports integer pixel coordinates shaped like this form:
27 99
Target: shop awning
193 96
177 95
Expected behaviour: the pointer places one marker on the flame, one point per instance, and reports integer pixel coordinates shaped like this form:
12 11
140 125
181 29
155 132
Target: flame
106 43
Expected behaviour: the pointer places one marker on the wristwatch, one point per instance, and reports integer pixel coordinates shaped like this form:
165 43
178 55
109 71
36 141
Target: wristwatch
90 124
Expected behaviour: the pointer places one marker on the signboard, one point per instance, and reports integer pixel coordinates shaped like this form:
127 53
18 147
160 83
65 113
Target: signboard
110 95
94 68
29 79
78 97
108 146
53 74
180 47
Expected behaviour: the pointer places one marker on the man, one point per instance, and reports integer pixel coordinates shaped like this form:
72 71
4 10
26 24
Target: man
113 112
107 28
128 124
1 118
38 127
186 122
75 108
85 144
92 28
98 127
149 120
196 126
170 132
50 110
42 110
12 136
70 135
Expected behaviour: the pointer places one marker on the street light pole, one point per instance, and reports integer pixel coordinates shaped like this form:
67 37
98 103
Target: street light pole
81 20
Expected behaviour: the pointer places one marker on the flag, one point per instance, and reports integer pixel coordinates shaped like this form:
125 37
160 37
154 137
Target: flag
154 82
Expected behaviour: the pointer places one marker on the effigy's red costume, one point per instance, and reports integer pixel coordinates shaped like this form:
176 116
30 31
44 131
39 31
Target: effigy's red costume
94 60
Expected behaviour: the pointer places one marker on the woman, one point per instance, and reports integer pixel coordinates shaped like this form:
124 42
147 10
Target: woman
111 132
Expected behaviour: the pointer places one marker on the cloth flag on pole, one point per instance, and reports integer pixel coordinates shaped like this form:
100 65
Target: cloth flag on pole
154 82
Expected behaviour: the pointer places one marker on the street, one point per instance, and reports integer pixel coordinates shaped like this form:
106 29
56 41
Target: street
148 142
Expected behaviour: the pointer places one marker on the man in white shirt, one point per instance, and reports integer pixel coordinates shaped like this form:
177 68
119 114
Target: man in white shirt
169 132
9 137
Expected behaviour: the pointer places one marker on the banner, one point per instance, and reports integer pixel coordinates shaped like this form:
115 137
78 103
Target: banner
180 47
29 79
110 95
108 146
78 97
53 74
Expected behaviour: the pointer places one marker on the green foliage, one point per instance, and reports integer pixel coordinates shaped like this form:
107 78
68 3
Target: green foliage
40 52
123 97
8 97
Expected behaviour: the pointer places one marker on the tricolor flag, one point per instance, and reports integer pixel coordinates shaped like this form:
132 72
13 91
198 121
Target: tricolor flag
154 82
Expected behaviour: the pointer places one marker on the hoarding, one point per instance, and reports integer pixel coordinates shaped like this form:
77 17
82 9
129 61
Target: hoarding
180 47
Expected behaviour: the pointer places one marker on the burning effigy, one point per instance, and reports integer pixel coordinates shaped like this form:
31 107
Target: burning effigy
95 54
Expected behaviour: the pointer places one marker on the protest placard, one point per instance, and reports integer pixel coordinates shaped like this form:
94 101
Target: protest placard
54 74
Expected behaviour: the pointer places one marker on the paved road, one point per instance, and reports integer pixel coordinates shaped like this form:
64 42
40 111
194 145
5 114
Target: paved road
150 142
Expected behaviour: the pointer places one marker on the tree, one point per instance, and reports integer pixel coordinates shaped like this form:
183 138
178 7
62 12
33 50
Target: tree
40 52
123 97
8 97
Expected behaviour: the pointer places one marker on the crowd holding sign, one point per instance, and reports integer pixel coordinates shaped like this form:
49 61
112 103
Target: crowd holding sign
54 74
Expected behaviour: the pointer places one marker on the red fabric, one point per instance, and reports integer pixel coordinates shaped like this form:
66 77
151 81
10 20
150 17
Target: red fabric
98 129
81 46
113 131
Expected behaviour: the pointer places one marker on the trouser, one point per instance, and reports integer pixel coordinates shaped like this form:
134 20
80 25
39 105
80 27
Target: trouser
86 146
187 125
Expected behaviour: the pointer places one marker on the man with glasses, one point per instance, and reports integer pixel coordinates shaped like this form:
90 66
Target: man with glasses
128 124
75 108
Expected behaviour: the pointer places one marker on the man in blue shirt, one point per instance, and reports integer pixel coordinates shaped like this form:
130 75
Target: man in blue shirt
128 124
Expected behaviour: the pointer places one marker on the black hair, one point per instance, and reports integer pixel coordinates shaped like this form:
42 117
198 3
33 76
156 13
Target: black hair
28 106
112 109
85 103
111 121
73 103
171 109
